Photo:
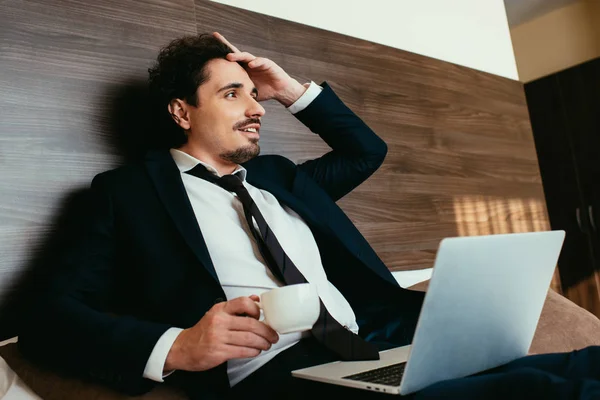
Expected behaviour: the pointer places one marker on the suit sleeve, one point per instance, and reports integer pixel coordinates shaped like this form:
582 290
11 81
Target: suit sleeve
69 326
357 152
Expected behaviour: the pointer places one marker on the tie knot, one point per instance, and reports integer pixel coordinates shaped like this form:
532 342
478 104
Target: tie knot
232 183
200 171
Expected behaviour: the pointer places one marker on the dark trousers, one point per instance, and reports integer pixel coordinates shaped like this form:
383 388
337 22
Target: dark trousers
574 375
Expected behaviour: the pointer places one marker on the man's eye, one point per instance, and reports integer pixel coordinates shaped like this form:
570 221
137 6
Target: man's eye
227 95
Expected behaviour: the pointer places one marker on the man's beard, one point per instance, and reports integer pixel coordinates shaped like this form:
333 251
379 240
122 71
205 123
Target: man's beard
243 154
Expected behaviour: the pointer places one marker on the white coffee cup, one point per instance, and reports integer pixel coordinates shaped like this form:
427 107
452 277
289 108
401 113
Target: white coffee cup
292 308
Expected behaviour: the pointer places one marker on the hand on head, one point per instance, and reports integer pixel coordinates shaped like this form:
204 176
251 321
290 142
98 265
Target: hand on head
269 78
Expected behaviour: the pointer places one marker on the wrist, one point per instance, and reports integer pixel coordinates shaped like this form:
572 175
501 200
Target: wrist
291 93
174 356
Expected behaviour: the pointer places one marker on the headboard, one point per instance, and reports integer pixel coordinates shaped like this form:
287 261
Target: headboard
461 157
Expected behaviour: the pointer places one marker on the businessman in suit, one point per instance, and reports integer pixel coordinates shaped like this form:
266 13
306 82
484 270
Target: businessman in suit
162 272
160 281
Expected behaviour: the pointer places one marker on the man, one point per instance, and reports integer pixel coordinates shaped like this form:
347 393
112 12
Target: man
160 277
160 281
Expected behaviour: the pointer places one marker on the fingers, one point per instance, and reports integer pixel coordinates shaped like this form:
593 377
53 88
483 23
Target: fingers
254 326
248 61
243 57
247 339
246 306
222 39
258 63
242 306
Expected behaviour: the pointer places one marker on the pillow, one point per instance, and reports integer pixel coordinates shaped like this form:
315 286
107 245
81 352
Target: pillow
564 326
11 386
52 386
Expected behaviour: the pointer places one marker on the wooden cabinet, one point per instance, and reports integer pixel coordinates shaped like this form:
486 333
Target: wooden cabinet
565 117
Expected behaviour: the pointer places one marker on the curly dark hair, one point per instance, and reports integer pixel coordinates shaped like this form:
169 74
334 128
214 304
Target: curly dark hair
179 70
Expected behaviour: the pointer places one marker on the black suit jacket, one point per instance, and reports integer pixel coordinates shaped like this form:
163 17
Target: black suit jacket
139 264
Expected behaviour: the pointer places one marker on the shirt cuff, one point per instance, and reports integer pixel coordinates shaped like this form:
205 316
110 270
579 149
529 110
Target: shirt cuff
307 97
158 357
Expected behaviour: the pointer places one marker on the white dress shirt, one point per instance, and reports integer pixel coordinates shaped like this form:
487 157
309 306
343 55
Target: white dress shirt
238 263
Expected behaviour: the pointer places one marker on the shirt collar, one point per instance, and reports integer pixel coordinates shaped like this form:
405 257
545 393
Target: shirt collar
185 162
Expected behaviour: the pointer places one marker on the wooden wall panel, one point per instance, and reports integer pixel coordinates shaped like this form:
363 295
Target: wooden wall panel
461 157
65 67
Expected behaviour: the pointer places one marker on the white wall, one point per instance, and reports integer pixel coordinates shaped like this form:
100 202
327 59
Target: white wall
473 33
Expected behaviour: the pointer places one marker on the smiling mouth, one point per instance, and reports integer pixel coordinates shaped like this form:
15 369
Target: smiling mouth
253 132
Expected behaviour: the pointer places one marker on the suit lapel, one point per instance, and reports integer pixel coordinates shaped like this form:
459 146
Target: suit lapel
327 219
288 198
168 183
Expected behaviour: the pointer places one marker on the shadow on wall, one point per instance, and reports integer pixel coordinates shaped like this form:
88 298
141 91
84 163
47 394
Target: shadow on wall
137 122
132 127
43 262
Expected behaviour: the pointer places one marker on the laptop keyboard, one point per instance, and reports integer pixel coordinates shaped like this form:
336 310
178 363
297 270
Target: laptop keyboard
390 375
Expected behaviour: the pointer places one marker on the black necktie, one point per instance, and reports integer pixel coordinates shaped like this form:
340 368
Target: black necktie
327 330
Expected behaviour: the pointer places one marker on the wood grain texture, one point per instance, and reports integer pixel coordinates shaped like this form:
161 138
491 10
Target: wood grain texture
65 67
461 158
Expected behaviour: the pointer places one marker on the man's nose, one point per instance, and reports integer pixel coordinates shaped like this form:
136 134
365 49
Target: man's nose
255 109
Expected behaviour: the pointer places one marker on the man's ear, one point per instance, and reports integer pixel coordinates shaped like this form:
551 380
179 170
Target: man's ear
179 112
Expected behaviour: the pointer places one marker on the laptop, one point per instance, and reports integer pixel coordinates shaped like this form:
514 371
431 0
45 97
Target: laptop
481 310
